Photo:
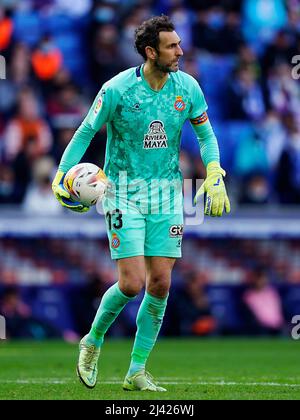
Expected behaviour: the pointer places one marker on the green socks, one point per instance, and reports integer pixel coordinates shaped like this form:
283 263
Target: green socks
149 320
112 303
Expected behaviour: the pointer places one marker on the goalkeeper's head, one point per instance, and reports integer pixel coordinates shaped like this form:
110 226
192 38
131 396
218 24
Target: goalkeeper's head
156 41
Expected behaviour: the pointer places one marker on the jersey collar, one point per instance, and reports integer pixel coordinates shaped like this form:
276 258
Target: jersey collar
140 76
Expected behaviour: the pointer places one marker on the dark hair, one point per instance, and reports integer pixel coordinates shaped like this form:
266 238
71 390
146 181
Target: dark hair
147 34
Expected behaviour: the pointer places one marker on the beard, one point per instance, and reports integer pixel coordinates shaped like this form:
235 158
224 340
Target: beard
164 68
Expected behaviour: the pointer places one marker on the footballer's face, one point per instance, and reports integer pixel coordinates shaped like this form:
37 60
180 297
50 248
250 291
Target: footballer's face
169 52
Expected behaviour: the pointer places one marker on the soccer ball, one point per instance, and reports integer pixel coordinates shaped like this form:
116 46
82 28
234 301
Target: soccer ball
86 183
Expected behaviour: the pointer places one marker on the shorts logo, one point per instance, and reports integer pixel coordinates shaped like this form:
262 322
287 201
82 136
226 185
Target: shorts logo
175 231
179 104
98 106
115 241
200 120
156 138
137 106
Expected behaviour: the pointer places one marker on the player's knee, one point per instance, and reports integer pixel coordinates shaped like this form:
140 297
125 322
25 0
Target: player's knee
132 290
131 285
159 285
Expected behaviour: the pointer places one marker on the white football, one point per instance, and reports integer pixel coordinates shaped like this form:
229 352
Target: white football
86 183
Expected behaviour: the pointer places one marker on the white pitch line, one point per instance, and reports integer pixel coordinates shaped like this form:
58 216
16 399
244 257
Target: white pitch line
115 381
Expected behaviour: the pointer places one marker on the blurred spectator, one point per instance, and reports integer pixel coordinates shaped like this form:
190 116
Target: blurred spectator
62 78
105 12
288 173
46 59
76 8
245 96
191 65
65 107
88 301
250 156
226 5
20 64
129 56
293 25
27 133
247 57
62 139
251 167
39 196
18 76
8 186
27 137
217 28
255 189
104 50
283 90
19 320
182 17
208 28
281 50
231 35
6 30
263 305
193 307
42 6
273 134
262 19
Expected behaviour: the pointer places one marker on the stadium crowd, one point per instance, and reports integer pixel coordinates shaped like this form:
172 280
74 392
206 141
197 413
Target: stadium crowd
59 53
234 286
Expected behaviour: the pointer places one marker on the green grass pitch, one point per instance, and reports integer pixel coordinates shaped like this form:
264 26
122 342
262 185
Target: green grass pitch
195 369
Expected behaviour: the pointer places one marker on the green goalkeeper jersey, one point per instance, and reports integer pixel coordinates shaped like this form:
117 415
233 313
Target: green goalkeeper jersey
143 125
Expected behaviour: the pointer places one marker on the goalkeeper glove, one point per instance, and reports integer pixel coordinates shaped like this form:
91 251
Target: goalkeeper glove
64 197
214 188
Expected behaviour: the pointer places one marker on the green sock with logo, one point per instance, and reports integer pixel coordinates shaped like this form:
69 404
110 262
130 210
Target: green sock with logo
112 303
149 321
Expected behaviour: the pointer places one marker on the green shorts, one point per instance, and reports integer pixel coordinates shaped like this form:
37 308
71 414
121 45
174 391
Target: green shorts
132 232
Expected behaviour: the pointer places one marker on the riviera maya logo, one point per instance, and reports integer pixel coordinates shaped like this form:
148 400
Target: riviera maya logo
156 138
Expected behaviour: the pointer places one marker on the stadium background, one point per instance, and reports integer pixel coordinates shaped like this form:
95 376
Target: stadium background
54 265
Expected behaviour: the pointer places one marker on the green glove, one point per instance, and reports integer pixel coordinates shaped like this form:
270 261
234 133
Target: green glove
64 197
214 188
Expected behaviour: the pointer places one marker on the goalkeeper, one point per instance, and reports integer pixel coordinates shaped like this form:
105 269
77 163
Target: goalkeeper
144 109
